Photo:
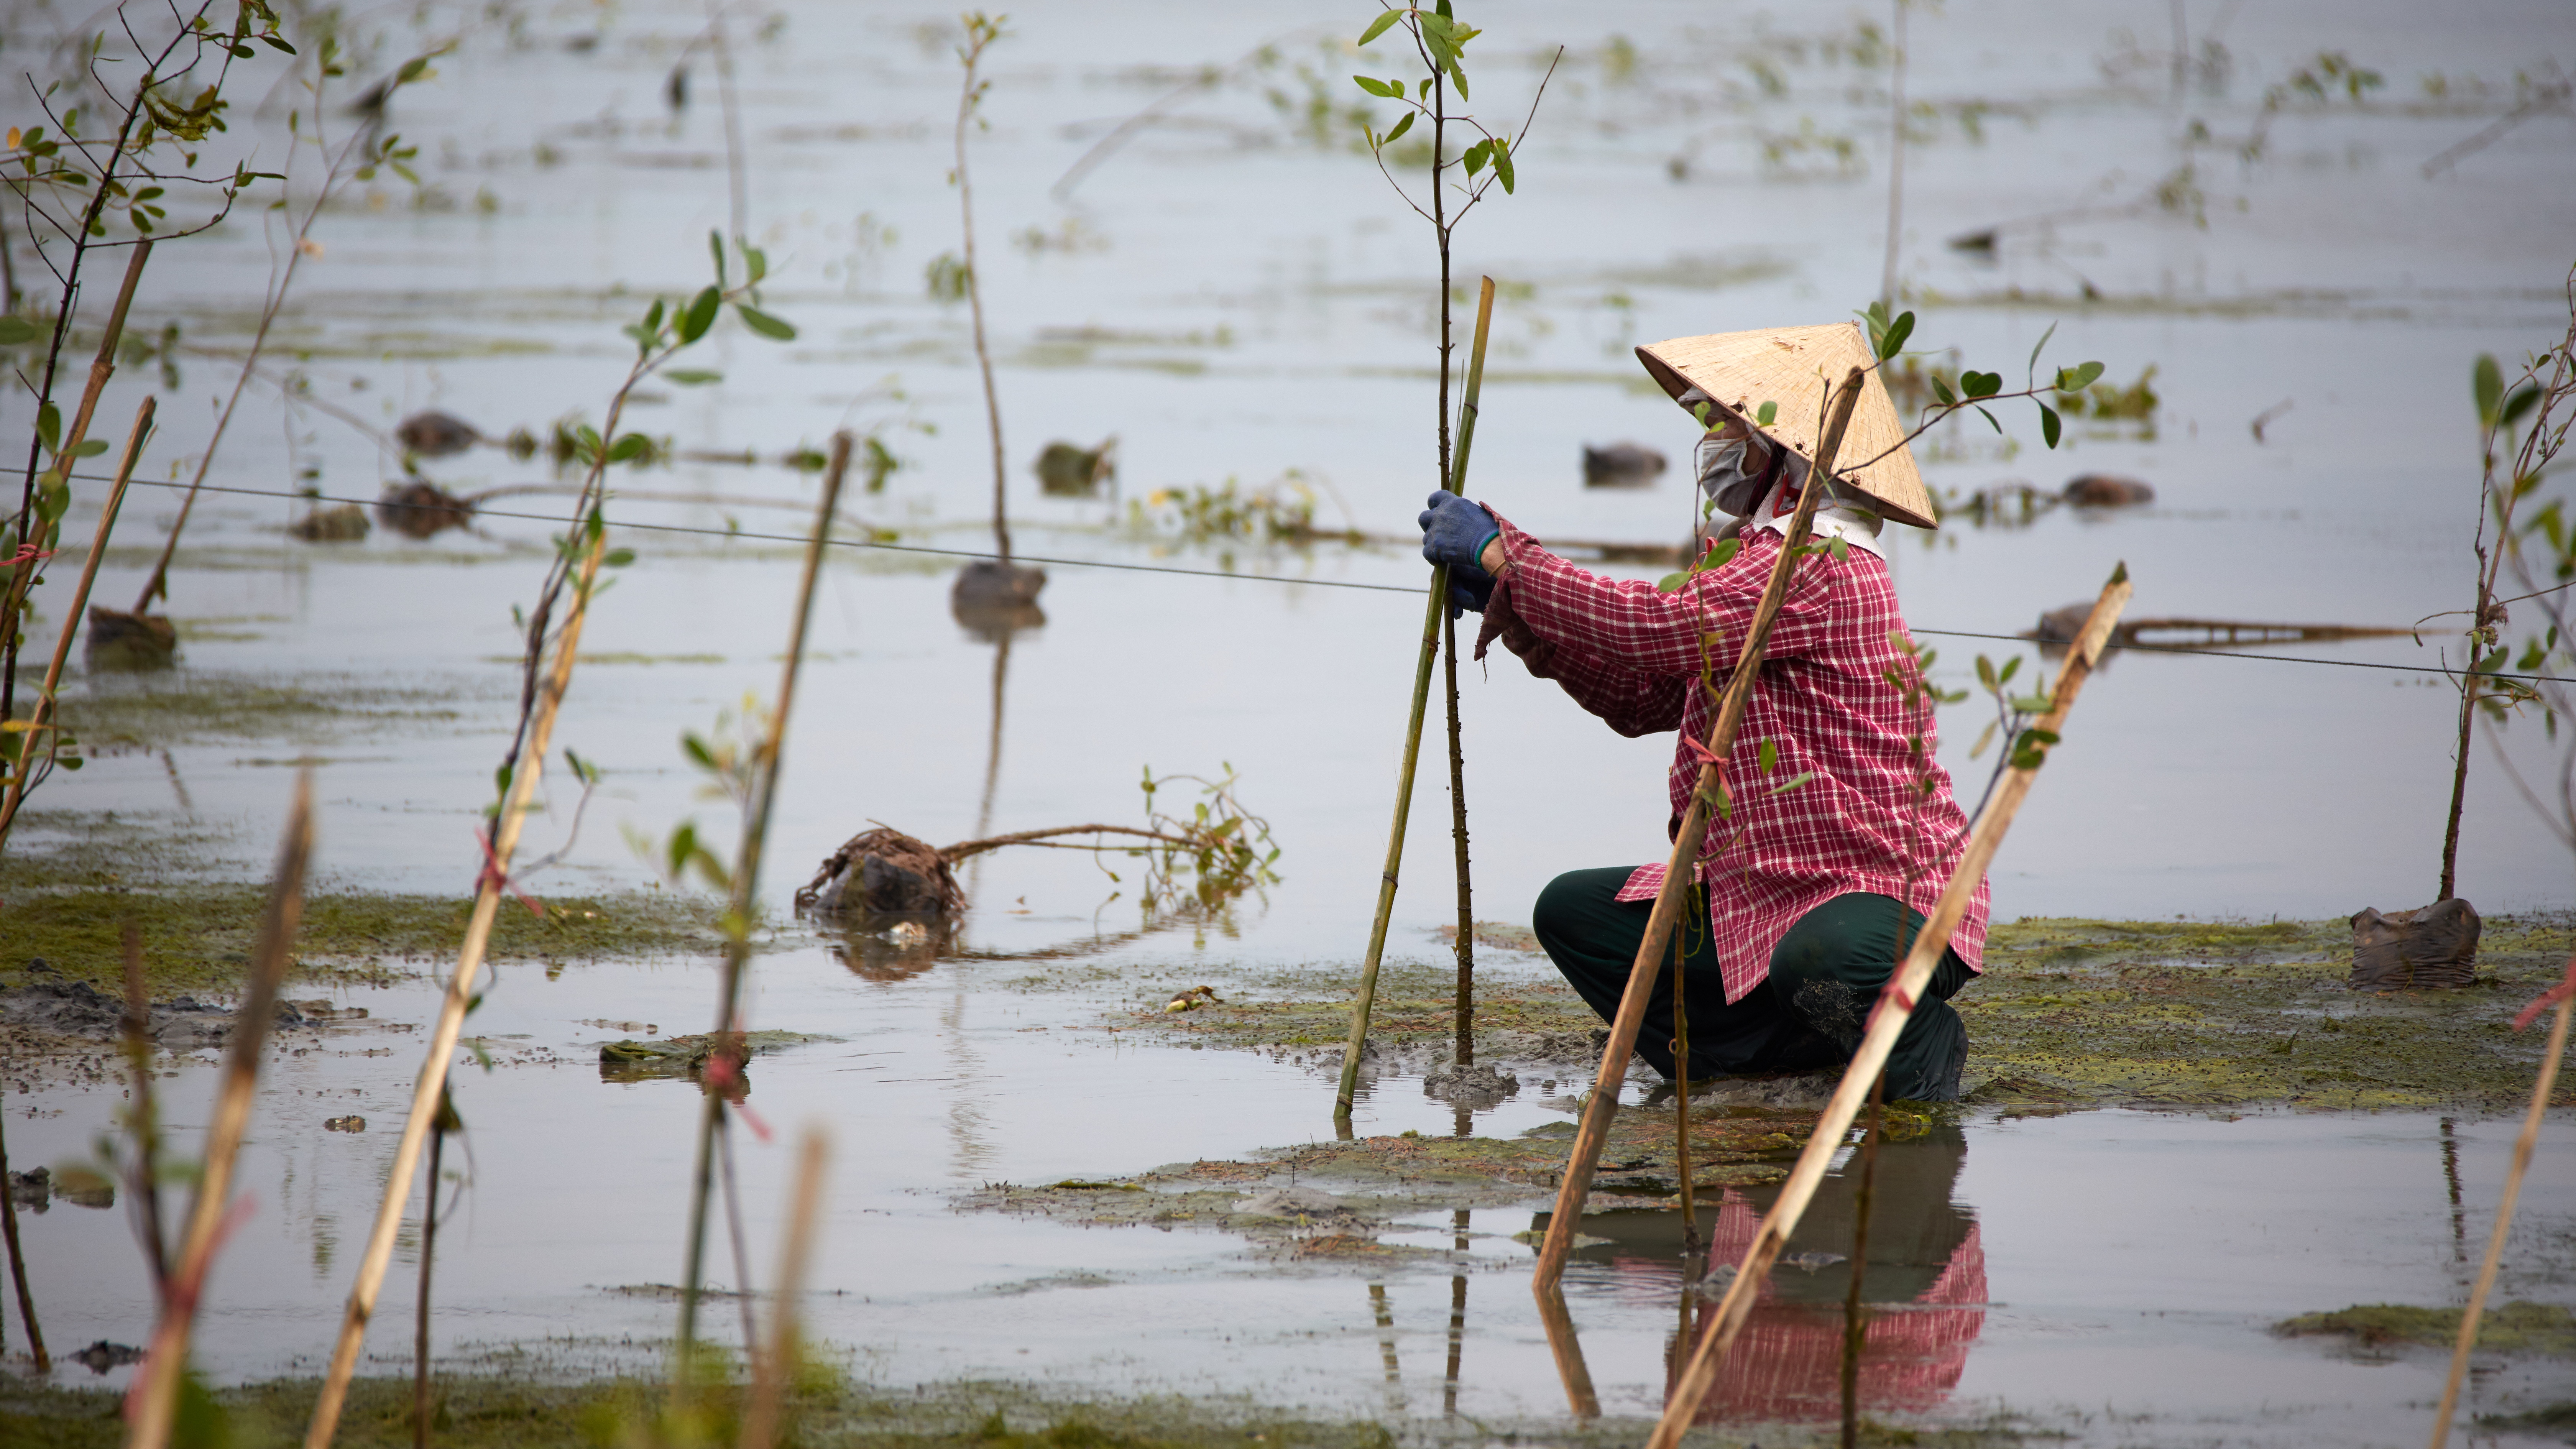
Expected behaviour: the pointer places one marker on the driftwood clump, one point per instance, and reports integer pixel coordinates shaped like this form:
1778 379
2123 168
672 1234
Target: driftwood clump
344 524
420 508
1621 465
883 872
434 434
2435 945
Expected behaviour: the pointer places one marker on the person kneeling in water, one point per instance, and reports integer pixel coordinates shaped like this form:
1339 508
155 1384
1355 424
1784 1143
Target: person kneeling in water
1806 899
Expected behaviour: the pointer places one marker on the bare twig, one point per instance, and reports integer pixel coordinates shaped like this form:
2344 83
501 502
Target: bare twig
153 1404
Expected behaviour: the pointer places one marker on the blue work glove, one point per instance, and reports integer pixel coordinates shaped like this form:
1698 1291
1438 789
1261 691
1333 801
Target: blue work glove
1455 532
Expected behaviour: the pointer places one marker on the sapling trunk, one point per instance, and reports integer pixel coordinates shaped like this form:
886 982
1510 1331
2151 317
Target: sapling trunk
1895 162
1682 865
972 53
17 1263
746 885
1895 1007
1435 611
152 1404
428 1257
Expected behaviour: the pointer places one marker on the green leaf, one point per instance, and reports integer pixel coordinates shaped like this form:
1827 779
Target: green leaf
1766 413
1503 165
692 376
1402 124
2041 346
275 43
633 445
2523 400
1981 384
1458 77
701 314
1379 26
1475 156
1897 331
755 262
49 427
1770 755
715 248
1990 420
764 324
2486 380
16 330
1941 390
684 844
2078 377
617 558
2048 424
696 749
1986 672
1785 786
2010 666
1671 583
1376 87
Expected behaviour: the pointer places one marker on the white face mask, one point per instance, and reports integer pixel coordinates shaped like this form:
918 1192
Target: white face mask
1727 475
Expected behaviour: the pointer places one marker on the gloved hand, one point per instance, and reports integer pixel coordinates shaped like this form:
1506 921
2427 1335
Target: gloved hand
1455 532
1470 590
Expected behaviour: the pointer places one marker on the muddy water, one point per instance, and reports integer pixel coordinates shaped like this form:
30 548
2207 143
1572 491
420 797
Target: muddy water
1235 304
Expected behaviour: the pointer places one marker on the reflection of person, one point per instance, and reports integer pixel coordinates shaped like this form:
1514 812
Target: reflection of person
1925 1252
1801 889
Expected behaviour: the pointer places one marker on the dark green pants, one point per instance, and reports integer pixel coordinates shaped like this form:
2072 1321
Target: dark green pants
1807 1014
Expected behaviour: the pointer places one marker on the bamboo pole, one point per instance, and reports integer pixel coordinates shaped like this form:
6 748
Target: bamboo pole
154 1400
432 1082
746 885
1681 1110
777 1364
1887 1019
1434 614
2523 1146
40 718
1681 866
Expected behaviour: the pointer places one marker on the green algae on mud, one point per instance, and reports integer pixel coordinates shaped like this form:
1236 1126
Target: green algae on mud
2068 1013
2517 1327
154 711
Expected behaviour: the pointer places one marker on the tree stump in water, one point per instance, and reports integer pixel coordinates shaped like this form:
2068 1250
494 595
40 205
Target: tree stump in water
128 641
883 872
2435 945
421 508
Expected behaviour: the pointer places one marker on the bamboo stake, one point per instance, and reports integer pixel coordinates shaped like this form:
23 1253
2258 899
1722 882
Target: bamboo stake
1681 1109
17 1263
1681 866
154 1400
746 884
432 1082
1434 614
773 1368
1886 1020
40 718
2523 1146
101 368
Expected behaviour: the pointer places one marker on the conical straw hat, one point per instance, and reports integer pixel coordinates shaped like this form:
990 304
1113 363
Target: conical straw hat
1797 367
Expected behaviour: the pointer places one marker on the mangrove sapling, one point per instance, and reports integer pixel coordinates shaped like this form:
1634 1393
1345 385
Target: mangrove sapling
152 1406
994 581
1439 42
38 743
1895 1006
17 1261
357 158
667 328
69 187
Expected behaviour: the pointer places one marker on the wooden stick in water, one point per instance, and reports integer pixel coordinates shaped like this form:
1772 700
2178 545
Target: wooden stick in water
152 1405
1682 865
1886 1020
1435 611
773 1367
39 720
432 1082
2523 1146
1681 1107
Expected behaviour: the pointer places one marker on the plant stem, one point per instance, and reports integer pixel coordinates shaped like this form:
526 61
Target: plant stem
1895 1007
144 1186
737 169
771 1370
503 843
1895 162
39 718
1466 991
428 1254
17 1263
746 883
1681 1107
1855 1328
1434 611
152 1404
733 1229
2523 1147
975 300
1682 865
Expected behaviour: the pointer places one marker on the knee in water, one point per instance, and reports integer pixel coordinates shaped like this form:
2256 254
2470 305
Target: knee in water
1832 1009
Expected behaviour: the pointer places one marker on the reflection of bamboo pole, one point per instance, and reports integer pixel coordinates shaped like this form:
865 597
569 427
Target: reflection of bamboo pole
1682 865
1568 1352
1895 1007
426 1090
2522 1150
39 720
772 1368
746 886
1434 613
154 1400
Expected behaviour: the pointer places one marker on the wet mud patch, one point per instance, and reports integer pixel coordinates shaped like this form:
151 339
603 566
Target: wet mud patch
2519 1327
110 713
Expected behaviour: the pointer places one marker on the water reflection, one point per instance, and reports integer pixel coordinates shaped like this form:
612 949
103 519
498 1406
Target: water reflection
1925 1281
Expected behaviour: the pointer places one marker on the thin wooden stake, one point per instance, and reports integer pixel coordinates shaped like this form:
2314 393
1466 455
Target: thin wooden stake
1435 612
432 1081
40 719
145 1184
746 886
2523 1146
773 1368
153 1403
1681 1109
1855 1325
17 1263
1895 1007
1681 867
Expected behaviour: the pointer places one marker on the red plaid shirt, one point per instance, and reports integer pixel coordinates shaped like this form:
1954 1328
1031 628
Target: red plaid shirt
1631 654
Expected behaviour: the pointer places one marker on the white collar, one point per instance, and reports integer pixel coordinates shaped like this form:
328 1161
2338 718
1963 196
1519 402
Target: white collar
1854 526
